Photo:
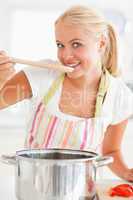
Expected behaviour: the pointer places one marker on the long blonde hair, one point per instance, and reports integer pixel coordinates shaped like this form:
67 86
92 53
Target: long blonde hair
91 19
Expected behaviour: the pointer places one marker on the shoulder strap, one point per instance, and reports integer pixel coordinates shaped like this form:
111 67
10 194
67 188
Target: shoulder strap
103 87
52 89
104 84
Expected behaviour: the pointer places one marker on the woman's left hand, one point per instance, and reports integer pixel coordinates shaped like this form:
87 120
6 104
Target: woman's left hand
128 175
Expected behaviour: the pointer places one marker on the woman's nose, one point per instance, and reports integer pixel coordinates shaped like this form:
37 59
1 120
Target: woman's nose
68 55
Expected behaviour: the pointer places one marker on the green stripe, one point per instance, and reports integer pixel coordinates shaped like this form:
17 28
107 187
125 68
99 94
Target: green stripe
103 87
52 90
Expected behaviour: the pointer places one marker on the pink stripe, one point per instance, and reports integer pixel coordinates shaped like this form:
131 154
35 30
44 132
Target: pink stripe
39 116
35 117
38 122
84 136
67 134
92 132
51 131
52 139
47 131
98 147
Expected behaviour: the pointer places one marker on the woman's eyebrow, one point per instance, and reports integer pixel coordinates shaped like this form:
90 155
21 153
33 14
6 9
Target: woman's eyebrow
75 39
71 40
58 41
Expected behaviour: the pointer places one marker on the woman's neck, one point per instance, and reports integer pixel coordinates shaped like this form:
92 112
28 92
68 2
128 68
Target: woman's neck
91 79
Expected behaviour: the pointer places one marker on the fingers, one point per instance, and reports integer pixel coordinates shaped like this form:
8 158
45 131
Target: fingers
5 63
5 60
2 52
129 175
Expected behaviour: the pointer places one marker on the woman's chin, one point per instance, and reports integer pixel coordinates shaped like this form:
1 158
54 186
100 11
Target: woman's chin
75 74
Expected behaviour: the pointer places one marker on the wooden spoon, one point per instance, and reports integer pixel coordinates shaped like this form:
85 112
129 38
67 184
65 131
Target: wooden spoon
43 64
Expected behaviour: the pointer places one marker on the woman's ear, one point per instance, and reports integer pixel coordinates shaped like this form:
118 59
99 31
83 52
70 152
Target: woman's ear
102 43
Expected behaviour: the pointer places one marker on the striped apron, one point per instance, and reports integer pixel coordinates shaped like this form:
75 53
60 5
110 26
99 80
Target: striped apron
51 131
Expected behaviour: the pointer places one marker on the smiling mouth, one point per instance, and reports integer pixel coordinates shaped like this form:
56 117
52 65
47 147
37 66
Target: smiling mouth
73 65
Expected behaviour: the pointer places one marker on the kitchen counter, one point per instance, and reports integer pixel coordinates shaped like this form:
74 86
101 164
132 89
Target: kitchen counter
7 188
104 186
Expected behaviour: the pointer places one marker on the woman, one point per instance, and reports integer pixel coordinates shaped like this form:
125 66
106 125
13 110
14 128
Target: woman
84 109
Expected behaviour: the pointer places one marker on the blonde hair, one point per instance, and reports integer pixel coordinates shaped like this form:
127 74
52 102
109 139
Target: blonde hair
92 20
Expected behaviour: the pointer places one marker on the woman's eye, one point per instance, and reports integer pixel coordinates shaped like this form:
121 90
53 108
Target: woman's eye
59 45
76 44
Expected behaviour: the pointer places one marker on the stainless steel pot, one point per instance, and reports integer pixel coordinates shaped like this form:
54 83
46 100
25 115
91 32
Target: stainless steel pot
56 174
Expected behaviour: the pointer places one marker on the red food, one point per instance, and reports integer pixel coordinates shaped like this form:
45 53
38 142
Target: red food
122 190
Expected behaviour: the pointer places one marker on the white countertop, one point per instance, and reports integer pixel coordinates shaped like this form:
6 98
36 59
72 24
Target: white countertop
7 188
104 186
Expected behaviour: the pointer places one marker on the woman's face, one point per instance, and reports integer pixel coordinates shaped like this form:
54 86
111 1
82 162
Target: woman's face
77 48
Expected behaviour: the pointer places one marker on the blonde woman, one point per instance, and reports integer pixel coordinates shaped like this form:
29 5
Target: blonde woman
88 108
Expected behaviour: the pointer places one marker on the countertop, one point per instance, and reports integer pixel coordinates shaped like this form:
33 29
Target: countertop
104 186
7 188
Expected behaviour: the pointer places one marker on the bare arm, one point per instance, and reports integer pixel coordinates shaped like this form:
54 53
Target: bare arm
14 90
112 146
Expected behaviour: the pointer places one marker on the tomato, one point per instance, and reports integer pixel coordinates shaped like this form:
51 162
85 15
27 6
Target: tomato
123 190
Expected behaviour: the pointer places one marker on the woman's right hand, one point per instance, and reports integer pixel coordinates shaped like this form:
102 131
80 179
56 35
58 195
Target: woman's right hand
6 67
5 62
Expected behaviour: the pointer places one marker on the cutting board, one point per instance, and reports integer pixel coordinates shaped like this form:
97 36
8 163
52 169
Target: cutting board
104 186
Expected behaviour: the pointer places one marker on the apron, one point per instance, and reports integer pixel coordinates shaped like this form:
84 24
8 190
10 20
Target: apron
51 131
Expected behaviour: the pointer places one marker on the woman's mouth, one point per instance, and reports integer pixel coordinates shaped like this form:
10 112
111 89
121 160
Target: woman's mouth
73 65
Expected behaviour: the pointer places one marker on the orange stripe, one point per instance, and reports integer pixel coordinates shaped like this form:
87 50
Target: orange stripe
67 135
92 123
46 131
51 131
76 136
82 146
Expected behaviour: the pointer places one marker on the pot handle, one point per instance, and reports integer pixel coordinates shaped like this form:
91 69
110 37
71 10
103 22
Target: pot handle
102 161
8 159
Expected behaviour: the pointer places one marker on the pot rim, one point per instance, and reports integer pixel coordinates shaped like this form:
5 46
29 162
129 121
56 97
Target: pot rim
21 155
